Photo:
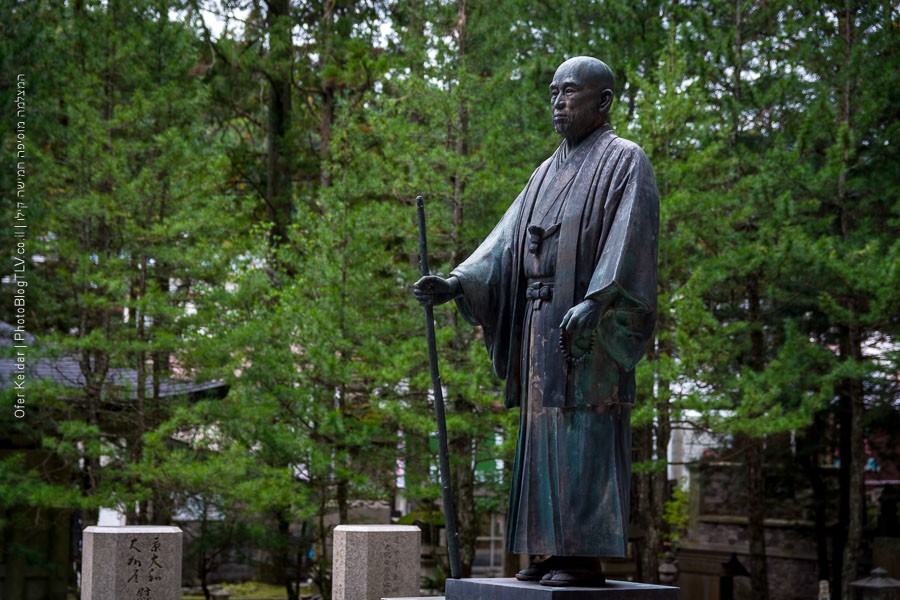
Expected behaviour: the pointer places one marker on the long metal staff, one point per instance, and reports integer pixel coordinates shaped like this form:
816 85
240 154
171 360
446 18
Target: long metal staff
444 452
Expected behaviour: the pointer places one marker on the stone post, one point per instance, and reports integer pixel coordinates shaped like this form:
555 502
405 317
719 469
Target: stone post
376 561
141 563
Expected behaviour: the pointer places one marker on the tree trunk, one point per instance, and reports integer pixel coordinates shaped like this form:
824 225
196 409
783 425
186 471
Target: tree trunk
462 444
327 92
663 435
202 562
282 562
809 458
850 390
461 147
279 188
323 565
343 500
853 465
647 557
463 479
756 508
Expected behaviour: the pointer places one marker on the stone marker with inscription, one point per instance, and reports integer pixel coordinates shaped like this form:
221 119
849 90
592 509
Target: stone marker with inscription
376 561
131 563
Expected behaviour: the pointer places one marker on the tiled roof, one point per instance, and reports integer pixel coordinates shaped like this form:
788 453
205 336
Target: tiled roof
66 371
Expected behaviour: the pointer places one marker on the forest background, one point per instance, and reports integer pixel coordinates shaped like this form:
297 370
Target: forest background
224 191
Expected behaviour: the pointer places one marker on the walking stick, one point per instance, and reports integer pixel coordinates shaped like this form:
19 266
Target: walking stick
444 452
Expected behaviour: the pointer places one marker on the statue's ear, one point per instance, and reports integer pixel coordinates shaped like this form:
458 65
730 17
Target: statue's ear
606 98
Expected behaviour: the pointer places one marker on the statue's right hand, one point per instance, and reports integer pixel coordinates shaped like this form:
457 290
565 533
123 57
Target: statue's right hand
432 290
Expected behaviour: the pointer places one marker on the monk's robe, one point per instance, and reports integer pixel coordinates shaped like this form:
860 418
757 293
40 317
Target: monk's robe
585 226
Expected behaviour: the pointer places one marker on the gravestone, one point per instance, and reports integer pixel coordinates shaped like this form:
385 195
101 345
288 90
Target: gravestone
140 563
376 561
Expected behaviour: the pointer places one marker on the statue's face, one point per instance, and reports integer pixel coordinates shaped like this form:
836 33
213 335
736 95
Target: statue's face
577 97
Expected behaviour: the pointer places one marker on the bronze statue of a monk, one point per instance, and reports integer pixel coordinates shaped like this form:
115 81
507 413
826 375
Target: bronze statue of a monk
565 290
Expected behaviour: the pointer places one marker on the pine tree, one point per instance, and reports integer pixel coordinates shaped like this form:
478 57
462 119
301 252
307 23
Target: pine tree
124 240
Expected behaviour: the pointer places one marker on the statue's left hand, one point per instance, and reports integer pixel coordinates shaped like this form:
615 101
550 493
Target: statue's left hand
580 322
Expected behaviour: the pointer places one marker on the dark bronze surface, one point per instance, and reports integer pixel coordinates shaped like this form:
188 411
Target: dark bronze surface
564 289
510 589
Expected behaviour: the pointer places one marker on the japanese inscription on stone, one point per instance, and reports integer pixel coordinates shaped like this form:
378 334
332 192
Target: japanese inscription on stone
133 563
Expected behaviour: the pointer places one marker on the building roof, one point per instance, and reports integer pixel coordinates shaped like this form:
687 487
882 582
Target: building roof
66 371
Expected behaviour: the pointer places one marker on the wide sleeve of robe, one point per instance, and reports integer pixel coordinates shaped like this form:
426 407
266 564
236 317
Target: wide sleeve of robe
487 282
625 275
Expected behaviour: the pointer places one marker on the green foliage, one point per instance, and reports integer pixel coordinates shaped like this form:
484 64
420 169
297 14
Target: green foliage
677 513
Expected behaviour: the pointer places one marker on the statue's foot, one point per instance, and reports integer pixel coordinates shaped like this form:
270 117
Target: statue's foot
539 569
580 572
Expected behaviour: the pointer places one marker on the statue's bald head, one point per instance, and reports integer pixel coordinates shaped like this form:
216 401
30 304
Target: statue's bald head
591 71
581 94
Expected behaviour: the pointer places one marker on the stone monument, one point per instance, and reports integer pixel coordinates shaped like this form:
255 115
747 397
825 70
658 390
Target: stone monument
564 289
131 562
376 561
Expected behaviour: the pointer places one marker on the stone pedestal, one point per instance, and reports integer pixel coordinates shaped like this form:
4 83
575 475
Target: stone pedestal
512 589
375 561
131 562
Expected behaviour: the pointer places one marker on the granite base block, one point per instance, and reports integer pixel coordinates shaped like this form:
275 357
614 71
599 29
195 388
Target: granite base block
376 561
131 562
512 589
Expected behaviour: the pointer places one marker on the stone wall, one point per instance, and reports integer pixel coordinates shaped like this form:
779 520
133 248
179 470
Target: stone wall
718 530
